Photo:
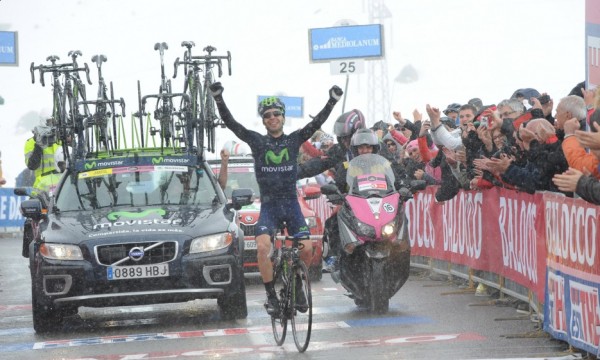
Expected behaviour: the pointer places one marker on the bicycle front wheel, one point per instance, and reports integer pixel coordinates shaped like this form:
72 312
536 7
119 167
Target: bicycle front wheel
279 321
301 307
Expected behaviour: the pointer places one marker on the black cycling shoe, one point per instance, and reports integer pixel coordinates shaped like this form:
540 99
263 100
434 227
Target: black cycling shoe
272 305
301 304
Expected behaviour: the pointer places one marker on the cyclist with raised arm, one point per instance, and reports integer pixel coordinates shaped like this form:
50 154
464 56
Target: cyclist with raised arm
276 169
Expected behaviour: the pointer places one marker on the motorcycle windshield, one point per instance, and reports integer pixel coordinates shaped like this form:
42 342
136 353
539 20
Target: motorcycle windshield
370 174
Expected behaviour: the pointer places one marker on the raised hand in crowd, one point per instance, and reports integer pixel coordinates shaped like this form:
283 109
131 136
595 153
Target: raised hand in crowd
434 115
498 166
567 181
494 120
588 97
481 164
417 116
570 126
461 155
588 139
485 135
399 118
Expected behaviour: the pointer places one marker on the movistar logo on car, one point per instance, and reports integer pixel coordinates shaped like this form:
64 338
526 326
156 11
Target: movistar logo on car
137 219
117 214
162 160
95 164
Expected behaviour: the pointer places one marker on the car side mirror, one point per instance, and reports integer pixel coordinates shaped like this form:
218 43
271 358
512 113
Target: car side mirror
241 197
22 191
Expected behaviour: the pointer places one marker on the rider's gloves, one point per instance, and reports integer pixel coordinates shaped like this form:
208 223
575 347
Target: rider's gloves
335 93
216 90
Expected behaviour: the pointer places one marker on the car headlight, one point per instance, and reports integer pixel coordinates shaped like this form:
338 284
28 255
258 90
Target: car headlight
388 230
311 221
61 251
211 243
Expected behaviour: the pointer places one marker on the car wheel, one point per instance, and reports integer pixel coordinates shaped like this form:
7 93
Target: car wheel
233 305
45 317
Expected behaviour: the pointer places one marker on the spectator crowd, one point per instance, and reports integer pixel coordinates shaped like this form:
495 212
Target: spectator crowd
525 142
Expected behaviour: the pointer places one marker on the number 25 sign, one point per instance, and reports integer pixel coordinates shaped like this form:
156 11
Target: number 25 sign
347 67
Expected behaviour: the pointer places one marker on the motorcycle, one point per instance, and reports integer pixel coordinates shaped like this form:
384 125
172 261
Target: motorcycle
375 259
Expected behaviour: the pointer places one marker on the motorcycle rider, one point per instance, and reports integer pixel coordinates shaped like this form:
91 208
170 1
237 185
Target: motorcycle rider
344 128
364 141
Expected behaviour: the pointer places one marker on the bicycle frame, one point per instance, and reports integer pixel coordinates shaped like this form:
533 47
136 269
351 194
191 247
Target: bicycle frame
164 111
96 125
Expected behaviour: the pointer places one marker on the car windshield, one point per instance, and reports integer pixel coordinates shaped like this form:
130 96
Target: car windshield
238 178
136 186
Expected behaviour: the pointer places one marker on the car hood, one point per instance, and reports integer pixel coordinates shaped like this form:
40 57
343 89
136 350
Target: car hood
190 221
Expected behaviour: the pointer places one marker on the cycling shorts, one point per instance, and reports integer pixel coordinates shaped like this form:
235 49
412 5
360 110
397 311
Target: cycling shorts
276 211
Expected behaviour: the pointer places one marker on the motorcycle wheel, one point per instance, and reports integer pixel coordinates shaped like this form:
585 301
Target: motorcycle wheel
379 302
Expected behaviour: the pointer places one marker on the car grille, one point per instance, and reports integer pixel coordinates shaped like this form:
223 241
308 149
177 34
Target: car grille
249 230
155 252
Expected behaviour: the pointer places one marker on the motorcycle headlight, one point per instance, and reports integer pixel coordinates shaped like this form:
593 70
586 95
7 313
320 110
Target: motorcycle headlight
388 230
61 252
364 230
211 243
311 221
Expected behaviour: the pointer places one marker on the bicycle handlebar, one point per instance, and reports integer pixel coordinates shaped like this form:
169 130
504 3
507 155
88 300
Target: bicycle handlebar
101 102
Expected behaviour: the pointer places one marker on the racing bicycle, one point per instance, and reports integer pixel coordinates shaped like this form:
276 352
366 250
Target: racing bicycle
288 270
209 114
97 124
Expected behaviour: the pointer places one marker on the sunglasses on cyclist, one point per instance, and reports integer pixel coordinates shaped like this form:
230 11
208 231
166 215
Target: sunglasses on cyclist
271 113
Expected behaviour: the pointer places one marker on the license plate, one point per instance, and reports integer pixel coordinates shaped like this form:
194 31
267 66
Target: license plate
249 245
137 271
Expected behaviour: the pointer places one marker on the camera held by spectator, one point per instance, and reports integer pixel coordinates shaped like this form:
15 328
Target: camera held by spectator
44 135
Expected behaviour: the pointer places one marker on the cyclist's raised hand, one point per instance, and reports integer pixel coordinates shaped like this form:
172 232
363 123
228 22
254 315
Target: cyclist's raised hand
216 89
335 93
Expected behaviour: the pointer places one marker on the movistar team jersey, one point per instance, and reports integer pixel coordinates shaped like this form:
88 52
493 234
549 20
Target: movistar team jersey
275 159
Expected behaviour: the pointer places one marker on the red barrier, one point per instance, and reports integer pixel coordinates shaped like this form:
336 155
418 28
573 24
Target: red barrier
545 242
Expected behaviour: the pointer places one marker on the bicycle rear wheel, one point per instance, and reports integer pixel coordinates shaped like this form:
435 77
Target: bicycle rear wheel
280 320
301 318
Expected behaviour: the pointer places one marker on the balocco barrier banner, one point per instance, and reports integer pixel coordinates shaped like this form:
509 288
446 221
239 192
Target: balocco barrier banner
10 204
545 242
495 230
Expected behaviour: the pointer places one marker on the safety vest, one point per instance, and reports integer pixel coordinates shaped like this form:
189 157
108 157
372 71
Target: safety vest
48 183
47 164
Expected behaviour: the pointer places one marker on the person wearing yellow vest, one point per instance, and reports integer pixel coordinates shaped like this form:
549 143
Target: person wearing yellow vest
39 157
39 153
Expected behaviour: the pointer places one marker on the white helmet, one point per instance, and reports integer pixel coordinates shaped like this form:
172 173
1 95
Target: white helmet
236 149
59 156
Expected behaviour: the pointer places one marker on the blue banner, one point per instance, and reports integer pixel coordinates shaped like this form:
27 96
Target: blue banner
10 208
346 42
8 48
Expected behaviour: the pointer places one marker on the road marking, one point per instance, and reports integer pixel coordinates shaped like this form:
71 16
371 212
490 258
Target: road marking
264 350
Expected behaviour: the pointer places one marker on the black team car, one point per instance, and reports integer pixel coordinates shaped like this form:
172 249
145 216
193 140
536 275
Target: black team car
138 227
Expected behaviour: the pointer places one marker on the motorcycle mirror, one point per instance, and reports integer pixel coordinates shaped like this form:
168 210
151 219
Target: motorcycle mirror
329 189
416 185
